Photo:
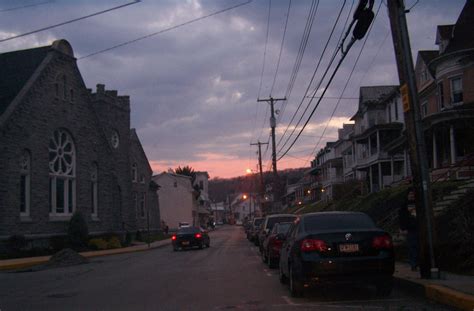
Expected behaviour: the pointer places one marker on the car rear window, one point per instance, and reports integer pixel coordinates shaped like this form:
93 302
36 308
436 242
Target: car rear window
337 221
188 230
257 222
283 228
273 220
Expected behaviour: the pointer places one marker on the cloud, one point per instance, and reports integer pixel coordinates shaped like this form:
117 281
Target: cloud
194 89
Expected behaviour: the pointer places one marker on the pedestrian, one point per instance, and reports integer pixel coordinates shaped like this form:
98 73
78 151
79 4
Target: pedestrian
409 227
167 229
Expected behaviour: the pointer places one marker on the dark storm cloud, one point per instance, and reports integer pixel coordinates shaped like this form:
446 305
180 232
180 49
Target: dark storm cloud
194 89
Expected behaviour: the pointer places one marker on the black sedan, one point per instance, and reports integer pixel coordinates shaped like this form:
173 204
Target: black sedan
272 244
336 248
190 237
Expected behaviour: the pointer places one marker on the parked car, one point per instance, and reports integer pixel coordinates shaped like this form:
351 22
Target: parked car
188 237
268 224
254 226
337 247
272 244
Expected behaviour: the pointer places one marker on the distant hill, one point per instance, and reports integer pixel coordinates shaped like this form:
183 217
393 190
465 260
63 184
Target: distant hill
220 188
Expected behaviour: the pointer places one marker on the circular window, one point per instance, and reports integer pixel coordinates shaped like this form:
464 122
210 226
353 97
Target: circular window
115 139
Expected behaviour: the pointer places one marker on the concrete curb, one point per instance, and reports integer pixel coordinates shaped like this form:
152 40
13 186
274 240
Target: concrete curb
437 293
21 263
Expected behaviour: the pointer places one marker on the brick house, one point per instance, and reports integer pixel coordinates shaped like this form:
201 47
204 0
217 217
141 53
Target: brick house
64 149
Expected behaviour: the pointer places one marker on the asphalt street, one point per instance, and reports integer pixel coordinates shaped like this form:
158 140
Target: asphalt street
227 276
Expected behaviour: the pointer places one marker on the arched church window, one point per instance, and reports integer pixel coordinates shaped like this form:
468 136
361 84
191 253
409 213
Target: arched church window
25 183
62 173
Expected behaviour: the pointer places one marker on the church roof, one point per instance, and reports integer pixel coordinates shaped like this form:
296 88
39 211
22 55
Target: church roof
16 69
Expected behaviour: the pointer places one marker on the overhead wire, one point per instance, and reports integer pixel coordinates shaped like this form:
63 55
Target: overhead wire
311 81
262 72
166 29
344 55
281 47
347 82
68 22
25 6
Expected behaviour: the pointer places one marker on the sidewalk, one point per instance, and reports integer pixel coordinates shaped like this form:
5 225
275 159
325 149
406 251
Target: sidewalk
20 263
452 289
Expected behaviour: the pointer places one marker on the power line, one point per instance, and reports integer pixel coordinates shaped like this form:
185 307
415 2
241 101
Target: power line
281 48
265 50
166 29
347 83
26 6
360 31
311 81
68 22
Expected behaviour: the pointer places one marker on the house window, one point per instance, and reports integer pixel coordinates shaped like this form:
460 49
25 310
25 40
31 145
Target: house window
424 108
134 172
142 205
440 95
94 190
201 184
62 174
456 90
135 201
142 179
25 183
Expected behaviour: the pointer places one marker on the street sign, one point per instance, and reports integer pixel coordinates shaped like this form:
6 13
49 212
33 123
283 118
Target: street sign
405 98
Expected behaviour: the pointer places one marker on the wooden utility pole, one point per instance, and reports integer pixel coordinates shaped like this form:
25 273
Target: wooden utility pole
261 188
276 183
259 144
415 137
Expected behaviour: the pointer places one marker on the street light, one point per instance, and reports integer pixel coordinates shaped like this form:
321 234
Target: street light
244 197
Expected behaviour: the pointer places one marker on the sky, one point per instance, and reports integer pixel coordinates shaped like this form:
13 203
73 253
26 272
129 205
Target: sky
194 88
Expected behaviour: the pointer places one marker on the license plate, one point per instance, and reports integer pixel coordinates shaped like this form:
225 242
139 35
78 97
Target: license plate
348 248
185 242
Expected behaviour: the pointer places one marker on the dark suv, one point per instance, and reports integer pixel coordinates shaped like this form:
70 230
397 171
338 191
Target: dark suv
268 224
334 248
253 230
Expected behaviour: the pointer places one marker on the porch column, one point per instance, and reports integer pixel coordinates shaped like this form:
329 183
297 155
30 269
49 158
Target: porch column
405 159
378 141
452 142
435 151
391 169
380 174
370 179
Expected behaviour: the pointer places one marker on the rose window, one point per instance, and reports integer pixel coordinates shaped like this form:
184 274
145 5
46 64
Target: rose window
61 154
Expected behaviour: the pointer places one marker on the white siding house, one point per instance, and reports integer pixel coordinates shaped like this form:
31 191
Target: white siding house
175 198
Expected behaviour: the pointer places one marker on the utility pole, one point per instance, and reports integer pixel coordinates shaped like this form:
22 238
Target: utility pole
415 137
276 183
259 144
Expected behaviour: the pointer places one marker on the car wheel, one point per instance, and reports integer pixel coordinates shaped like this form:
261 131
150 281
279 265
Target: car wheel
208 244
175 249
384 288
296 288
200 245
282 277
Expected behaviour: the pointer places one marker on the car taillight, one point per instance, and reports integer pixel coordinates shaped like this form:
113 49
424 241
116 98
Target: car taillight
198 235
382 242
173 237
311 245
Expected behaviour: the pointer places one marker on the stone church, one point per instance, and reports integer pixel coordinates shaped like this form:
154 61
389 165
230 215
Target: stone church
64 148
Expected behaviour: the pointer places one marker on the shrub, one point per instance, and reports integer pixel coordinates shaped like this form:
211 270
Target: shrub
16 242
78 232
139 236
114 242
128 238
97 244
58 243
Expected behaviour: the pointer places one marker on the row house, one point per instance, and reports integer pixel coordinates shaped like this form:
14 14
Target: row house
377 123
445 81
